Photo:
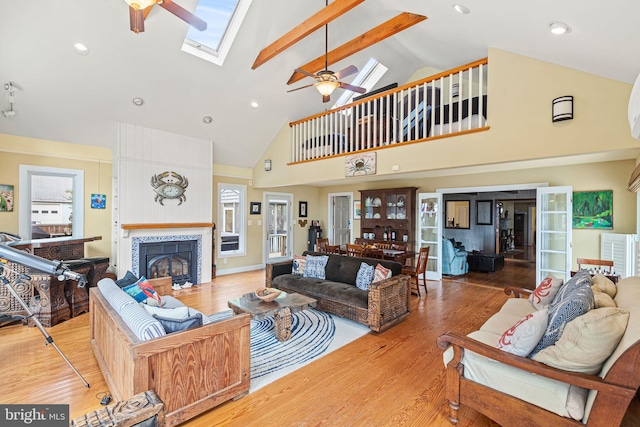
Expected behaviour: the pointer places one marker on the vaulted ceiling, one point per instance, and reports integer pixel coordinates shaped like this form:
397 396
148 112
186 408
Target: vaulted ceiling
80 99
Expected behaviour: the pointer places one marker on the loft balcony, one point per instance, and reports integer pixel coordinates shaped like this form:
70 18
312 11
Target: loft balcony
450 103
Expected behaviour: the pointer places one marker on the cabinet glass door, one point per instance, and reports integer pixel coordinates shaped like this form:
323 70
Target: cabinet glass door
429 232
553 234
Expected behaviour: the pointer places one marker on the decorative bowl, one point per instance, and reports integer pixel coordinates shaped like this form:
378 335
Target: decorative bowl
267 294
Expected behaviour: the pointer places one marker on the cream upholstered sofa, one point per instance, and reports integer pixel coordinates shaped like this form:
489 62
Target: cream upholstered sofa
516 390
191 371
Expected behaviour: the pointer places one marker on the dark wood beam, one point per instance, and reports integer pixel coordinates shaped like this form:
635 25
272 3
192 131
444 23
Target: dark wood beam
321 18
371 37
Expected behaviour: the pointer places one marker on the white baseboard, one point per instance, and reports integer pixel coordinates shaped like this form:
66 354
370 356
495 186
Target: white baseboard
222 272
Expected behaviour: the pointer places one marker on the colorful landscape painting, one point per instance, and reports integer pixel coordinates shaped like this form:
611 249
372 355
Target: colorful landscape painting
593 209
6 198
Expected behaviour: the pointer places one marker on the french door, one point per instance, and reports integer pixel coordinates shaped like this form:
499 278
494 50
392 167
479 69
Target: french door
278 228
429 233
553 232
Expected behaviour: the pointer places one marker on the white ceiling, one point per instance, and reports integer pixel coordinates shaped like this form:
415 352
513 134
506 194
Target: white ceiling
79 99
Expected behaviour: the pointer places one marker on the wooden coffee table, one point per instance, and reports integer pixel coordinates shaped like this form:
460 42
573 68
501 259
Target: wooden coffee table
280 308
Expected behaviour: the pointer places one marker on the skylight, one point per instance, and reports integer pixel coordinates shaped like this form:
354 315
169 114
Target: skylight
367 78
223 18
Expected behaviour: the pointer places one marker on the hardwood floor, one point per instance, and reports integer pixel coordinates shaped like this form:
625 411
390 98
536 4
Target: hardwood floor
394 378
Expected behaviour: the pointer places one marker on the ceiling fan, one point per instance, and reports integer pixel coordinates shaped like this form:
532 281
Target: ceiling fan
139 9
326 80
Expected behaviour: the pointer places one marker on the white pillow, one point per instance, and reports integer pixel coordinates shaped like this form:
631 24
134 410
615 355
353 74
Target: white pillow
546 291
587 341
168 313
381 273
522 337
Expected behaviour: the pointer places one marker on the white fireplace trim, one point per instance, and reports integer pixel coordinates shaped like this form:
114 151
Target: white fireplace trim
135 250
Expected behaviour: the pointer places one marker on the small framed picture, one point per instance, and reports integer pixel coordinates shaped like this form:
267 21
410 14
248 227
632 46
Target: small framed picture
98 201
357 207
255 208
302 209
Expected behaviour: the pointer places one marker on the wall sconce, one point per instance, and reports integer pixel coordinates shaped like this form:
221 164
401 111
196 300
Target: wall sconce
455 90
267 165
562 109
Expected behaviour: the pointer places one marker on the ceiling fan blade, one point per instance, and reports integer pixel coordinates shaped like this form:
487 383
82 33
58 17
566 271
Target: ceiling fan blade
306 73
326 98
301 87
352 69
136 20
352 88
184 14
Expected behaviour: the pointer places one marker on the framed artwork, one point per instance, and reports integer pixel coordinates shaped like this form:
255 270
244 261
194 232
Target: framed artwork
98 201
360 164
255 208
593 209
357 209
6 198
483 212
302 209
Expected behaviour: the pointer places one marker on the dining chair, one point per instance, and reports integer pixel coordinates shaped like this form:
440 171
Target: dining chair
354 250
374 253
332 249
321 244
419 269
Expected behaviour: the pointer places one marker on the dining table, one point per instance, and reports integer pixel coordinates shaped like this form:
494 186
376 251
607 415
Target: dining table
404 257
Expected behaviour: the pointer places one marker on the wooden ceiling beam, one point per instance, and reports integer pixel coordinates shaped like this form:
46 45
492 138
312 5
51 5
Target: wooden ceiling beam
321 18
371 37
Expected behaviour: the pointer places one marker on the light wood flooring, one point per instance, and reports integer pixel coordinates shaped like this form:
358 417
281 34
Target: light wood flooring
395 378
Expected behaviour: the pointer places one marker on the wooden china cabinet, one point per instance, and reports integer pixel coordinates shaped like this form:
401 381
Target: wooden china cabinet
390 212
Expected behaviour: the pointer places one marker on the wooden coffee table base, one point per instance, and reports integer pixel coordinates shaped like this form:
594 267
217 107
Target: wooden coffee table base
282 320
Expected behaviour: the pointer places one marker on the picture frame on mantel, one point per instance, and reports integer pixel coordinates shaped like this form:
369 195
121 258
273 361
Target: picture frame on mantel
255 208
483 212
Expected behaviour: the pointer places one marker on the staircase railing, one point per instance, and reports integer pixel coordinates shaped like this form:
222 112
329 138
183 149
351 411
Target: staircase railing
448 103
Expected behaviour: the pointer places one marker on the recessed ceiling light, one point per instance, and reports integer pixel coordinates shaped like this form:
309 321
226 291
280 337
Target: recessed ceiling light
207 119
461 9
81 48
559 28
138 101
254 104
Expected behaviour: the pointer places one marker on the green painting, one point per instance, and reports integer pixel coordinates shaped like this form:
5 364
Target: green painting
593 209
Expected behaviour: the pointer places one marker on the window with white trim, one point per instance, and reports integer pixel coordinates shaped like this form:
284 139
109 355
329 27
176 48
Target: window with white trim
232 207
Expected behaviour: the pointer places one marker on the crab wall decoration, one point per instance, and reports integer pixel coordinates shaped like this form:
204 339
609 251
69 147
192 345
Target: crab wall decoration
169 185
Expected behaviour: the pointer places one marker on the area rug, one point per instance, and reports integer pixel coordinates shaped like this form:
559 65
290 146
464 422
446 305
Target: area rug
313 334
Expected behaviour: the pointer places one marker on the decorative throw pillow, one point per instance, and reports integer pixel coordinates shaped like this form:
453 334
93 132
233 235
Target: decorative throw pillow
543 295
563 311
141 290
169 313
315 265
577 281
177 325
603 284
587 341
381 273
365 276
299 263
602 300
522 337
127 280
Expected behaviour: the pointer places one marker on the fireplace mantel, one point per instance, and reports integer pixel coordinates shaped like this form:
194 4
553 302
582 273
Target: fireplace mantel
166 225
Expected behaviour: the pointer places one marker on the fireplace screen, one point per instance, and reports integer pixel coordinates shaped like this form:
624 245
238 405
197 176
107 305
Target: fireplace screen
177 259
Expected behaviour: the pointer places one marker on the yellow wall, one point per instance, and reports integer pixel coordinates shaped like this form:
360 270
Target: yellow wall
94 161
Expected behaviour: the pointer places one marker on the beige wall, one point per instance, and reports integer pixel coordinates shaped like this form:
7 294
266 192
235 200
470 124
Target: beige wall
94 161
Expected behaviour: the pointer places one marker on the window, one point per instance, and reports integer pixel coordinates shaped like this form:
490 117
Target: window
232 206
55 199
223 18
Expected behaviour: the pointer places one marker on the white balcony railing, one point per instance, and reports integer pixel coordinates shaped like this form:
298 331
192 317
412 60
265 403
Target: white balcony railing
448 103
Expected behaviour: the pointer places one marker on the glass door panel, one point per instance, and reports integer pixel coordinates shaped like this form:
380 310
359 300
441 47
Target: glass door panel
553 232
278 227
429 233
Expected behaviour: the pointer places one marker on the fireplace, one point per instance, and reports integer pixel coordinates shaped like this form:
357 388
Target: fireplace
178 259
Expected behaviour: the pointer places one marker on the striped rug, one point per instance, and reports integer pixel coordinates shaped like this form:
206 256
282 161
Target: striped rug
313 334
